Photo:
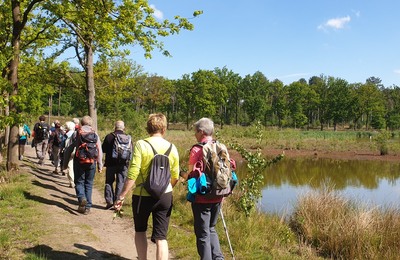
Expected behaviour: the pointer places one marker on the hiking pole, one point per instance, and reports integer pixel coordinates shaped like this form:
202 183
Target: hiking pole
226 232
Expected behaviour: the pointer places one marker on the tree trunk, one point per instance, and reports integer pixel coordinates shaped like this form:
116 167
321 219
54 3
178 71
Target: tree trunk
12 153
91 94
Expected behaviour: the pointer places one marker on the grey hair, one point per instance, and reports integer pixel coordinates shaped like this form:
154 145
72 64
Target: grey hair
119 125
70 125
87 120
75 120
206 125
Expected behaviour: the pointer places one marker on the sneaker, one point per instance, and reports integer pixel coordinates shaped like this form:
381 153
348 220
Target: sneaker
55 172
21 157
87 211
41 162
82 206
63 173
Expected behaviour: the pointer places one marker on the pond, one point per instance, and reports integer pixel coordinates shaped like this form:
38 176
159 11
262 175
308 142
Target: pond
371 183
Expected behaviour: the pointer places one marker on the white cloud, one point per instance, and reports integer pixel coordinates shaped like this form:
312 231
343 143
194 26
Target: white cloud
397 71
336 23
157 13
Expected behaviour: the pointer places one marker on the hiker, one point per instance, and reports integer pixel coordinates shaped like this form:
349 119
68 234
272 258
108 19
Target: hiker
88 155
116 166
205 208
142 203
76 122
56 143
50 146
23 132
69 152
41 138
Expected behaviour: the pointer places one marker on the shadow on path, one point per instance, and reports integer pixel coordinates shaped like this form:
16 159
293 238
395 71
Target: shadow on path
47 252
50 202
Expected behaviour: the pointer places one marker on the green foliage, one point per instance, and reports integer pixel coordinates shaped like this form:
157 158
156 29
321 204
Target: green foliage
382 139
19 216
250 186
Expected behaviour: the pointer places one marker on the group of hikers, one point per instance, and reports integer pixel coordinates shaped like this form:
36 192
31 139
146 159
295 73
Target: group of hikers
76 148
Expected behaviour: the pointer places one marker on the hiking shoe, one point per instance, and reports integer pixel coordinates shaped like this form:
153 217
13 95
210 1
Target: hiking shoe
87 211
55 172
82 206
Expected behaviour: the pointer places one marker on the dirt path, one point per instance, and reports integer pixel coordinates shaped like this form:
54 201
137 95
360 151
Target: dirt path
69 234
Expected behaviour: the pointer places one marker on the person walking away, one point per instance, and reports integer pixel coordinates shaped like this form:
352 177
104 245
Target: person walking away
143 204
76 122
88 155
23 132
205 209
41 138
69 152
117 147
56 142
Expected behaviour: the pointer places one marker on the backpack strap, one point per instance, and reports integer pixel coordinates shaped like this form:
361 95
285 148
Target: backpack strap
155 152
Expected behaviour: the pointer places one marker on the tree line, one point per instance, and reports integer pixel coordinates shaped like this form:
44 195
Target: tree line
124 89
34 81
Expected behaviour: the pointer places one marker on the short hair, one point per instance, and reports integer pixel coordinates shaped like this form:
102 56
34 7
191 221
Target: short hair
119 125
70 125
75 120
206 125
87 120
42 118
156 123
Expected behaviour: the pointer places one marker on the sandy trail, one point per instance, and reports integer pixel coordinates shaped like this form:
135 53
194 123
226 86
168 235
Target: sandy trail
69 234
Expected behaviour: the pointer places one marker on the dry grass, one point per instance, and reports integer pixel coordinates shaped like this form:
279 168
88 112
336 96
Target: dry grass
342 229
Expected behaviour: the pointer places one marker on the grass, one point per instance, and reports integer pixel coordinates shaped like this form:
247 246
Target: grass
324 225
343 229
20 217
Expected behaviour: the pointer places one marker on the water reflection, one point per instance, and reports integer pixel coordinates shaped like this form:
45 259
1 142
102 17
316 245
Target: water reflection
370 182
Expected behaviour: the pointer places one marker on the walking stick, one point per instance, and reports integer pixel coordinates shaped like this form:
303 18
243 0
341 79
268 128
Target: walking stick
226 232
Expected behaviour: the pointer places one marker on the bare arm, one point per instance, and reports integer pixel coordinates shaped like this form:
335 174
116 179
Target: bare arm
127 187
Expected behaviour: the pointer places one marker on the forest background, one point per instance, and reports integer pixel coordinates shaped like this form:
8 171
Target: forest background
34 81
107 86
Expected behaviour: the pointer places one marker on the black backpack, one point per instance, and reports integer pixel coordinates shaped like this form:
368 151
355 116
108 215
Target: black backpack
59 138
86 150
122 147
159 175
42 132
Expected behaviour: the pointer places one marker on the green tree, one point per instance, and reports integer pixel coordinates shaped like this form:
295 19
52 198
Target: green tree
255 92
26 25
319 85
338 105
206 84
297 96
368 102
116 86
279 101
230 106
392 107
186 93
105 27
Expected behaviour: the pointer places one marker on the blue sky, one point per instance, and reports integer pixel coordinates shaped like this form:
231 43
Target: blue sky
285 40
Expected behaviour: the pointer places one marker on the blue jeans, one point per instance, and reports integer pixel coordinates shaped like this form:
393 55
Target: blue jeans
115 174
84 176
207 241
